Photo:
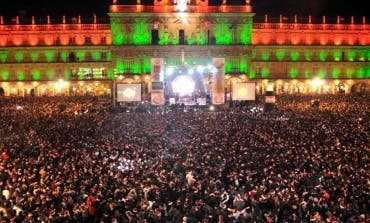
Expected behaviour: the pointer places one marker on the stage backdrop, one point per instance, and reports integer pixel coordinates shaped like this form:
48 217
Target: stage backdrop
157 92
128 92
244 91
218 88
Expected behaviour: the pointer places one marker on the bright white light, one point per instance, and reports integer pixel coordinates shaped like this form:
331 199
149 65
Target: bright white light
211 108
212 68
182 5
169 71
183 85
317 82
270 86
200 69
60 84
256 109
190 71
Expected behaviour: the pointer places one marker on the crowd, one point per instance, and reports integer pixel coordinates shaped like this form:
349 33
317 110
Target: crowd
76 160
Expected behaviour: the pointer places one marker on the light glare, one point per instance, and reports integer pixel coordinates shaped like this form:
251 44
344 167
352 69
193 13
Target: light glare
183 85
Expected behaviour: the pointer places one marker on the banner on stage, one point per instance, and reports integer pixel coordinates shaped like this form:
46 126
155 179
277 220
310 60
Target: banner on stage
157 91
128 92
245 91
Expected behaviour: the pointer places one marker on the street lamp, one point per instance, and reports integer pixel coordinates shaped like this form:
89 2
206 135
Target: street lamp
60 85
316 84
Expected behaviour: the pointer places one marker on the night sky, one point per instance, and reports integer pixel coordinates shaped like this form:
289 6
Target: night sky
303 8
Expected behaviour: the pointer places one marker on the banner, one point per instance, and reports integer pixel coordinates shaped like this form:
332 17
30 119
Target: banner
218 85
244 91
157 91
128 92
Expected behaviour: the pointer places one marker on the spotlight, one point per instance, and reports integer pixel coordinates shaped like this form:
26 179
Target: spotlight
183 85
190 71
200 69
169 71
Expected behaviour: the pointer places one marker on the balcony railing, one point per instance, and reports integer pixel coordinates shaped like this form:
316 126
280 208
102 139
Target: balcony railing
299 26
54 27
172 8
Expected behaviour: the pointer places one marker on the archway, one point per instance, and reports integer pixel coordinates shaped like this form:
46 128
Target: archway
360 88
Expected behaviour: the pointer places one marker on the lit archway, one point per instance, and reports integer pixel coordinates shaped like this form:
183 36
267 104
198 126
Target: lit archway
360 88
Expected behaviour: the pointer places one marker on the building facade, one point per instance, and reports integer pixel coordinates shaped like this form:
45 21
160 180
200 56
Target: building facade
78 57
